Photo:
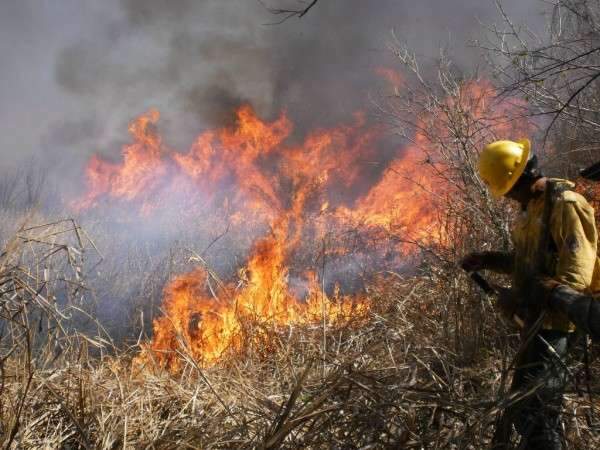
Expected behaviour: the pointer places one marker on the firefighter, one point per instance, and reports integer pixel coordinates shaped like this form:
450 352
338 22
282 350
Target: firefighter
508 169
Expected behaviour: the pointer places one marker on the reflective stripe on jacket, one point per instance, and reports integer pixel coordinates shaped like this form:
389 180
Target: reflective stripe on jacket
572 260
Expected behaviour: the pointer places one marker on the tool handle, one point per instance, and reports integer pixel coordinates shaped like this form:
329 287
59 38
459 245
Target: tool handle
488 289
482 283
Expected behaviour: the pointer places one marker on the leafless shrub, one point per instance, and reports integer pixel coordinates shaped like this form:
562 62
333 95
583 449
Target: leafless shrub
557 75
41 284
24 188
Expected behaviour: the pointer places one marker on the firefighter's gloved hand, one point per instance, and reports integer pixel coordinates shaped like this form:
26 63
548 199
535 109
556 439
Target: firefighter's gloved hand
474 262
508 302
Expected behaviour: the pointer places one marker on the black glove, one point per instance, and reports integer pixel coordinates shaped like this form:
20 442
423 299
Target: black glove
474 262
508 302
501 262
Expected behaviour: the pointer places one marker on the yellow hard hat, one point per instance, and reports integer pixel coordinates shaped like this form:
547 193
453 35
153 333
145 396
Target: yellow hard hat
501 163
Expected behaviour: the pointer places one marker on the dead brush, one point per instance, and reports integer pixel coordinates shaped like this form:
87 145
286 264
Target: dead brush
399 379
425 369
41 287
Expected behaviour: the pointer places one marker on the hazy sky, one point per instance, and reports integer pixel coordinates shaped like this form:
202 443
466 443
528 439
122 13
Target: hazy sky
74 72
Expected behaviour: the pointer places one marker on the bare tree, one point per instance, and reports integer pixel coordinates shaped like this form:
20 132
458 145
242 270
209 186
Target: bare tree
557 74
449 117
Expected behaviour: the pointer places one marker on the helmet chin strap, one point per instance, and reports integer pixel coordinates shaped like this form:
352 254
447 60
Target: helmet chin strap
592 172
532 168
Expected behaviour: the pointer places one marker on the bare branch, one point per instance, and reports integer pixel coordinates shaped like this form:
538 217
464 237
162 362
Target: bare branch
288 13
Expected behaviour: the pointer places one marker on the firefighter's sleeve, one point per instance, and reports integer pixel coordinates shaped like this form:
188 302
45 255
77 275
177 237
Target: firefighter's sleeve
575 235
582 310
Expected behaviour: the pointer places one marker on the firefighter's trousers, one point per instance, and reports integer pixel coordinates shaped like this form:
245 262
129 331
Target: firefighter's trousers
537 416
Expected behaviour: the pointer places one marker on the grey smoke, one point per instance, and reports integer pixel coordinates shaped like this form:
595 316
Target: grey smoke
76 71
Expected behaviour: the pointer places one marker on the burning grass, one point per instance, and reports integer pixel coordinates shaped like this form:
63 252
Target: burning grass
284 196
421 369
270 352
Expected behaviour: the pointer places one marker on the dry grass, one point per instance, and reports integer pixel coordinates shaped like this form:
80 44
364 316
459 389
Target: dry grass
424 371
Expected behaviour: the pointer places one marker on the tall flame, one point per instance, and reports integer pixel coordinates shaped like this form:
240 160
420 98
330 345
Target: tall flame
210 326
142 167
260 173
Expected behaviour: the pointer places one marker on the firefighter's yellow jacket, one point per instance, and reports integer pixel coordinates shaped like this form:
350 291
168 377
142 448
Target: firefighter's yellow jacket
573 258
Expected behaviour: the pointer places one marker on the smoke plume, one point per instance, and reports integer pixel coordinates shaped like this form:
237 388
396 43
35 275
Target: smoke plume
76 72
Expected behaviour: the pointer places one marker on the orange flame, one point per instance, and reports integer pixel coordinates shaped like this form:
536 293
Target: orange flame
258 173
209 327
142 166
